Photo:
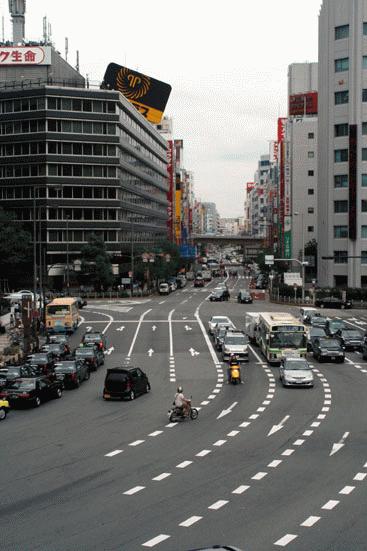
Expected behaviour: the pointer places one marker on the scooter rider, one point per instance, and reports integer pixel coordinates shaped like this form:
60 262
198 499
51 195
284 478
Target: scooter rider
233 363
181 402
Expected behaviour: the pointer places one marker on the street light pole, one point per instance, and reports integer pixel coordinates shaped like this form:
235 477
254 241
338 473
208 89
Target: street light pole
67 256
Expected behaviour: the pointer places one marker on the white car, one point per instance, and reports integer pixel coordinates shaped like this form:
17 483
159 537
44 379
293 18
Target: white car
18 295
214 320
164 289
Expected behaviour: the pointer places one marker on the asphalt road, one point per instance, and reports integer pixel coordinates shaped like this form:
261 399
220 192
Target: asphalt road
84 474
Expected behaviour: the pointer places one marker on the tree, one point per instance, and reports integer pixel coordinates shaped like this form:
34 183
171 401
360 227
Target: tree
15 249
96 265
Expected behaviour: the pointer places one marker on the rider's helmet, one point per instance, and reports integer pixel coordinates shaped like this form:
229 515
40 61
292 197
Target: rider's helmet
179 389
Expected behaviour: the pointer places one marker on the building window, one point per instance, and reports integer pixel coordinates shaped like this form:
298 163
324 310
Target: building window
342 64
341 32
364 180
341 281
364 128
363 282
364 94
311 155
311 173
310 191
311 135
364 154
365 29
364 232
341 130
340 206
341 97
363 257
310 229
341 155
341 257
364 205
310 210
341 232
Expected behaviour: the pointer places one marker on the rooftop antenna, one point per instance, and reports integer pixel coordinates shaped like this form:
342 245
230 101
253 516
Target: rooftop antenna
49 33
2 26
17 11
66 48
77 61
45 29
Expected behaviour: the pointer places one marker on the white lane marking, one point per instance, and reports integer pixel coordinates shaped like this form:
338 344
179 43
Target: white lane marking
339 445
190 521
170 332
256 355
310 521
137 331
288 452
330 504
108 324
321 416
298 442
115 452
240 489
137 443
156 433
211 396
275 463
326 408
183 465
261 409
203 453
216 391
259 476
156 540
218 504
254 416
315 424
244 424
307 433
283 542
233 433
219 442
205 403
134 490
347 490
360 476
162 302
226 411
266 402
161 476
170 425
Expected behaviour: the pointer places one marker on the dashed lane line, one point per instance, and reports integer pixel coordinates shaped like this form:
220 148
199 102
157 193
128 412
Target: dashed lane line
155 541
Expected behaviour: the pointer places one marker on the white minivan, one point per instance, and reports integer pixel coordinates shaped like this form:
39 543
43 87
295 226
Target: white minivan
164 289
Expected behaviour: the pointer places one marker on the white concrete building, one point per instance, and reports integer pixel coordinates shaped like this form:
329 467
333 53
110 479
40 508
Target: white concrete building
342 193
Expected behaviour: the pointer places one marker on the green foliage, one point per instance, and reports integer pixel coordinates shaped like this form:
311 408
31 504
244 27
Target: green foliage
96 268
15 242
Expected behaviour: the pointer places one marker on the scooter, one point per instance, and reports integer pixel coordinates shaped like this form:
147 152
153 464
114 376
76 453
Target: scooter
235 374
176 414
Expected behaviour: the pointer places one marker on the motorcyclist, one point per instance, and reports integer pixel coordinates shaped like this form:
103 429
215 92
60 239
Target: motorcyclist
181 402
233 362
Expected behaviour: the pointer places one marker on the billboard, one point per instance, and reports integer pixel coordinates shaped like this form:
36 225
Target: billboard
287 224
25 55
178 197
170 192
282 121
303 104
147 94
250 186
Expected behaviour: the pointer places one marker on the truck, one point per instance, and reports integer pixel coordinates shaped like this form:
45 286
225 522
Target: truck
251 323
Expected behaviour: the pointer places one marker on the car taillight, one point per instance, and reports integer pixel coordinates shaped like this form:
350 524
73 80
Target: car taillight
24 395
128 385
3 394
74 376
101 345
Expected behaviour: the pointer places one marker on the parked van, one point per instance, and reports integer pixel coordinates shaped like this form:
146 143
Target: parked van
164 289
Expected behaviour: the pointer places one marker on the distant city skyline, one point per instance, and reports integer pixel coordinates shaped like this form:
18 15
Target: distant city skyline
227 68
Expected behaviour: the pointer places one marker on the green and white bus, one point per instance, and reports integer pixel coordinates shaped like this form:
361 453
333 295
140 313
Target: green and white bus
280 334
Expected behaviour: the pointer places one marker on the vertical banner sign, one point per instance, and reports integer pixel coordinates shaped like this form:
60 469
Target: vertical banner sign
353 181
281 199
170 192
178 209
287 201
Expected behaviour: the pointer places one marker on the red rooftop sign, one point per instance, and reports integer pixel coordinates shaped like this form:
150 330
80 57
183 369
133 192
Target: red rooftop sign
25 55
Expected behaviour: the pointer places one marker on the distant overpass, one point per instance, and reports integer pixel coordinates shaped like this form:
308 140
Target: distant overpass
251 245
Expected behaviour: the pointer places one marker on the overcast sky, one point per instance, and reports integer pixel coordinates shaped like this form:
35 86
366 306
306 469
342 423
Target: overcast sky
226 61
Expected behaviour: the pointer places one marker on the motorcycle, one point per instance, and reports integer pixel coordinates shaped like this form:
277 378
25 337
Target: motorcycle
235 374
176 414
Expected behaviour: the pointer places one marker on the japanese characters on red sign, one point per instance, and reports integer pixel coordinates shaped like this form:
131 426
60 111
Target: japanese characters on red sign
25 55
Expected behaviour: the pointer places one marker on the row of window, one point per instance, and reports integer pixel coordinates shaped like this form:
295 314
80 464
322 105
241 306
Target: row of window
126 120
342 155
146 152
76 171
53 125
342 64
343 96
341 257
341 232
83 236
342 129
58 148
342 31
343 206
64 104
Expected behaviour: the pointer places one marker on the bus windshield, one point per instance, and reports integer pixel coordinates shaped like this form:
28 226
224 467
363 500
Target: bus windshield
287 340
58 309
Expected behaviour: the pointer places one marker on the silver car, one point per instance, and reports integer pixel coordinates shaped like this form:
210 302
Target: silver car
296 372
236 344
214 320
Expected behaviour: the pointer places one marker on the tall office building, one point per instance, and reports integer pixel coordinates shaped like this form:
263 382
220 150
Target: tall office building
342 144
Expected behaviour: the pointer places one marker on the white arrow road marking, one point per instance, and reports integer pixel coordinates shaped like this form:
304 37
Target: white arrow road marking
150 352
154 327
120 328
226 411
188 328
275 428
339 445
193 352
111 349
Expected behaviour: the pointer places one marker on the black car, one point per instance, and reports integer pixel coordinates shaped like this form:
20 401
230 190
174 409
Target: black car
95 338
219 335
319 321
13 372
218 296
364 350
314 333
44 360
350 339
125 383
72 372
92 355
328 349
59 339
58 350
244 297
333 302
81 302
32 391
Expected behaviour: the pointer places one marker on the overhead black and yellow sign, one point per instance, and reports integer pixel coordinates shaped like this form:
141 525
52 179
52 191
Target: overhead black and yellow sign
149 95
